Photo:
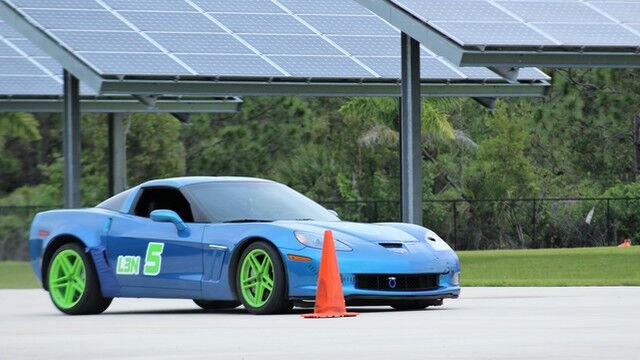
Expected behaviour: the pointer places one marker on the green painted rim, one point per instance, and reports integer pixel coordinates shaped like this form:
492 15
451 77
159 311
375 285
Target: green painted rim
256 278
67 278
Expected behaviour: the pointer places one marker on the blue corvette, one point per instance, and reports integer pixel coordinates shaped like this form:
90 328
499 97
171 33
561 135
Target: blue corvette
227 241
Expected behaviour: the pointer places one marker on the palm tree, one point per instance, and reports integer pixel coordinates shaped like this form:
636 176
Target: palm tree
19 125
383 115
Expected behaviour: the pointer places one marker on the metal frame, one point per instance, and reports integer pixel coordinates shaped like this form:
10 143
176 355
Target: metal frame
329 87
121 104
549 56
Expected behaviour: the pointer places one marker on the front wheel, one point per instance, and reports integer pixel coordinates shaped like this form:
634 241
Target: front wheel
261 281
73 283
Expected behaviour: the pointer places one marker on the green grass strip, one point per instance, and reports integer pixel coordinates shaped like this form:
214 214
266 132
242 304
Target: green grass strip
606 266
17 275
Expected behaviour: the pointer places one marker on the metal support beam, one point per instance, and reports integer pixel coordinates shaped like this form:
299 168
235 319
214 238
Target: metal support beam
184 118
410 138
508 73
117 155
487 102
71 141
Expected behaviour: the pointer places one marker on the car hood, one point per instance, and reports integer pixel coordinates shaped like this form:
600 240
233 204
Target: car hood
349 231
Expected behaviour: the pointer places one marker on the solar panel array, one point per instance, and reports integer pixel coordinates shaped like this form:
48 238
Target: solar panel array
239 38
531 23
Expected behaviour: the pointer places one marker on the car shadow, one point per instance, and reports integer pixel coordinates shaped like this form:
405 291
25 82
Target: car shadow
241 311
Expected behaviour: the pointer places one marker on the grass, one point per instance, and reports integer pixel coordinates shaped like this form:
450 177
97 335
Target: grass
605 266
608 266
17 275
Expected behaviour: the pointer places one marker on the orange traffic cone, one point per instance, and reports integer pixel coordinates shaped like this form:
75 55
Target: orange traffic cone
329 295
625 244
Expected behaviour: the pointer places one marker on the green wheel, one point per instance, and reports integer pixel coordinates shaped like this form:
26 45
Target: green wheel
73 284
261 281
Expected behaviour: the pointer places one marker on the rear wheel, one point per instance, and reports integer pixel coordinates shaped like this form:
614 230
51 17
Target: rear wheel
261 281
73 283
216 305
416 304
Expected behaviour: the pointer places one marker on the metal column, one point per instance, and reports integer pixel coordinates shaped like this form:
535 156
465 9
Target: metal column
410 138
117 155
71 141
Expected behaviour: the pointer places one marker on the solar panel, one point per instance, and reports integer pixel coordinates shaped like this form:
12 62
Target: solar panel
291 44
64 19
170 21
622 11
498 34
349 25
158 5
241 38
200 43
324 7
548 32
238 6
262 24
28 85
119 41
321 66
66 4
232 65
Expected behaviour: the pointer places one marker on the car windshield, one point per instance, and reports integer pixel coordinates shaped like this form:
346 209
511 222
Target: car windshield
255 201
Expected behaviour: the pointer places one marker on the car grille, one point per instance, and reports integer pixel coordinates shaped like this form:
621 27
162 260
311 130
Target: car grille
397 282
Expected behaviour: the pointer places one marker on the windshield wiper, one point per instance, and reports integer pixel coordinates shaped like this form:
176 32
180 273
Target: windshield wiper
246 221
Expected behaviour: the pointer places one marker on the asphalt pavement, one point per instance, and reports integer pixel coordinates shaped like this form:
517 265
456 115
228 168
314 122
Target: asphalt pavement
485 323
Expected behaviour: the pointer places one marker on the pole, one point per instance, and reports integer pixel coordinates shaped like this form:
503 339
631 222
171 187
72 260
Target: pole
608 229
71 141
410 138
117 155
535 228
455 224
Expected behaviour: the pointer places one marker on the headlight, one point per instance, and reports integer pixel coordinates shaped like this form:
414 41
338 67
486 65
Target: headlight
455 279
436 241
315 241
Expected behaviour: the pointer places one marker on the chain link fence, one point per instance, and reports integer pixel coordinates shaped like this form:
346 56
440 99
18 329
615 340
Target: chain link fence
514 223
465 224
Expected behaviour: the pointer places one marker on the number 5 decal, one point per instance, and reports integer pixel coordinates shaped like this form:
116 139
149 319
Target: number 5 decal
153 260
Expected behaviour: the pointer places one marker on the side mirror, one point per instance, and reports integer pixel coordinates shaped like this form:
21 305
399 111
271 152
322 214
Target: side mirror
334 213
168 216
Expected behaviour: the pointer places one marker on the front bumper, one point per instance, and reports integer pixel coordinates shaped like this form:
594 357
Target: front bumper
366 300
303 275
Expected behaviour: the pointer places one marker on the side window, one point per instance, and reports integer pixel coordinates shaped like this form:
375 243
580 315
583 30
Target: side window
115 202
163 198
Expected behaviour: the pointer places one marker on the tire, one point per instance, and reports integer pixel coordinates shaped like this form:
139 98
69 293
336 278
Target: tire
73 283
416 304
267 293
216 305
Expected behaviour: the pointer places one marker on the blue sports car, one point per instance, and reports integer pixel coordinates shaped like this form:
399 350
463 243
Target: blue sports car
227 241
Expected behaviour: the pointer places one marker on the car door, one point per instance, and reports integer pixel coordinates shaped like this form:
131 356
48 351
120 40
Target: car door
152 258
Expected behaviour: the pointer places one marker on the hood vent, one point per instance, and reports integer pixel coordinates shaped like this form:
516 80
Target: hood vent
393 245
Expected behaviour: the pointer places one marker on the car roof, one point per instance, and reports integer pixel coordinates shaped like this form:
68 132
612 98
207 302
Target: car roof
179 182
